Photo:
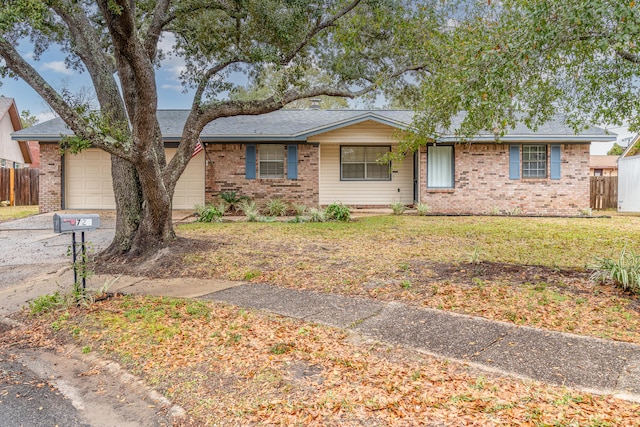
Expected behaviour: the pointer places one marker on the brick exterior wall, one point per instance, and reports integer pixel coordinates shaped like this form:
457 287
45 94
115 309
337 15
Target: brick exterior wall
225 171
50 179
482 184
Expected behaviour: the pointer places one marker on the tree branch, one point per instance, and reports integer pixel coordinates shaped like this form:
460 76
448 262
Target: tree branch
88 47
628 56
137 72
318 28
206 5
206 78
158 23
75 121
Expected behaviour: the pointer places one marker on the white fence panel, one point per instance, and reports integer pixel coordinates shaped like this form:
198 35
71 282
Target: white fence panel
629 184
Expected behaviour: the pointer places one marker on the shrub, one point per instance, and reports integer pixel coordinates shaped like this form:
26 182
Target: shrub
586 212
515 211
276 207
495 211
398 208
624 272
299 210
423 209
249 209
232 199
317 215
209 213
338 211
474 256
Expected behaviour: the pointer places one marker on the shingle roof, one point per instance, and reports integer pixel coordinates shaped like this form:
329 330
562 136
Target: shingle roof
297 125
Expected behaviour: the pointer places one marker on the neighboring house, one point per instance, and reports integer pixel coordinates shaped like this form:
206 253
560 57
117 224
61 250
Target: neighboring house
13 154
317 157
629 178
603 166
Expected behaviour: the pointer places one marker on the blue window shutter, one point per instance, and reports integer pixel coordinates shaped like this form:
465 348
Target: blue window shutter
251 162
514 162
555 162
292 162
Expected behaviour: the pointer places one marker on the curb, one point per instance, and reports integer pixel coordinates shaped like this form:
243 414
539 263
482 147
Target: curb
175 413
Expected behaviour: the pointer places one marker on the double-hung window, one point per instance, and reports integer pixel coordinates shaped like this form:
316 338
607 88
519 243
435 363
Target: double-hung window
440 166
534 161
360 163
271 164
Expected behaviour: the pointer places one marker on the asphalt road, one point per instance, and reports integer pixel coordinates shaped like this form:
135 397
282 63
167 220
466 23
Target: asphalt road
26 399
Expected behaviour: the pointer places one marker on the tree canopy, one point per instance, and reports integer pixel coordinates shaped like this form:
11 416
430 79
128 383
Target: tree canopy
354 47
530 60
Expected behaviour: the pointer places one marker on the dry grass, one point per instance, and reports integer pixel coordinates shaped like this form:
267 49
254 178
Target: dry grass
231 367
531 271
7 213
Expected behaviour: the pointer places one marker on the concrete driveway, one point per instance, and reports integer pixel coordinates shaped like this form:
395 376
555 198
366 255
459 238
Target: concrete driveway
34 260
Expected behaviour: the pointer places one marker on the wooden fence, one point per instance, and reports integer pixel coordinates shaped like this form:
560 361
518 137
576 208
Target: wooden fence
19 186
604 192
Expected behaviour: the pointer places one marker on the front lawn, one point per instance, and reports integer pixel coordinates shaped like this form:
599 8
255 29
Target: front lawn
230 366
532 271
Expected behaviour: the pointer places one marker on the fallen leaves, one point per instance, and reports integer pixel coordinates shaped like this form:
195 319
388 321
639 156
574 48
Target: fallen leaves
423 261
236 367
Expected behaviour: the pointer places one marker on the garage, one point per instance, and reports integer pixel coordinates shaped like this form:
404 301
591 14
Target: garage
87 177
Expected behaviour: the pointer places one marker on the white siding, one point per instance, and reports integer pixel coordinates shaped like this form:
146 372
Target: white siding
628 179
363 193
9 150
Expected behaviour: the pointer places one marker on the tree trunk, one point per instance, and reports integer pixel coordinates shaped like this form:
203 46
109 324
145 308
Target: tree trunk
155 229
128 194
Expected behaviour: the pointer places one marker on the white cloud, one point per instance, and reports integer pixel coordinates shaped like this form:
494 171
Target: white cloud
172 64
58 67
177 88
44 116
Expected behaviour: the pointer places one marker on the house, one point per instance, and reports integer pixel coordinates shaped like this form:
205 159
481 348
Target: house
13 154
603 165
629 177
317 157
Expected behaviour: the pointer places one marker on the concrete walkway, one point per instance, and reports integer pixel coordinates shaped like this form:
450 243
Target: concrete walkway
590 364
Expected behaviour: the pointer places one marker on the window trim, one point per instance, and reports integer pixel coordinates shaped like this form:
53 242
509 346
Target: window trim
365 179
453 167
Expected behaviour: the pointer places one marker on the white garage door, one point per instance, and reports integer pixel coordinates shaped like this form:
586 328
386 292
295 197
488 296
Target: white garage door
88 181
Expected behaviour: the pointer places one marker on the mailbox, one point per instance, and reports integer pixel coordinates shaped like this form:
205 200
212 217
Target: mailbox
70 223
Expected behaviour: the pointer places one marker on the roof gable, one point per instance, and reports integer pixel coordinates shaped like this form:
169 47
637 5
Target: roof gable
8 106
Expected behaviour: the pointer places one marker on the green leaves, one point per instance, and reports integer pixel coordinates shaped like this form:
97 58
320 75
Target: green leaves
529 60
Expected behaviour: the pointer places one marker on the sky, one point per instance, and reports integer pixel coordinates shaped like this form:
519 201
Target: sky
171 94
53 69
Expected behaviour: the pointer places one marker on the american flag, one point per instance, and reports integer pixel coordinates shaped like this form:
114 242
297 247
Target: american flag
198 149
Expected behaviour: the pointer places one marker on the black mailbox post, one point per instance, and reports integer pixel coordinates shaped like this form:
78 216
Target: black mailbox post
70 223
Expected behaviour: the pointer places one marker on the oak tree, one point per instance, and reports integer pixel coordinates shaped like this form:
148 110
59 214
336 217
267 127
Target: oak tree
359 46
